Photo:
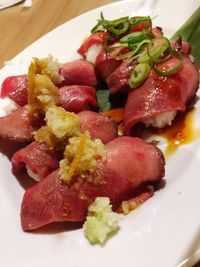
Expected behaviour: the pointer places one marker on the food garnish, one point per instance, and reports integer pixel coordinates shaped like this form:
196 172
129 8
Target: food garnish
190 32
48 66
101 221
140 44
60 125
81 155
139 74
41 91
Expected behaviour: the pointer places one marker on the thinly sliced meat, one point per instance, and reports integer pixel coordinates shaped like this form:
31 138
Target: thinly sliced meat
131 162
118 80
104 68
180 45
159 94
76 98
96 38
78 72
140 26
143 194
37 159
17 126
99 126
49 201
157 32
92 48
15 87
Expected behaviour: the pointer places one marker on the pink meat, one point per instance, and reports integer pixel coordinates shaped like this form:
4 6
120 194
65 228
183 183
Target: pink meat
131 163
17 126
15 87
104 68
76 98
118 80
157 32
181 46
140 26
98 125
78 72
96 38
38 158
161 94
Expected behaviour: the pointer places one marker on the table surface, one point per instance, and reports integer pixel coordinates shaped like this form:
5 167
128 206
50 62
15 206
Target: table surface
20 26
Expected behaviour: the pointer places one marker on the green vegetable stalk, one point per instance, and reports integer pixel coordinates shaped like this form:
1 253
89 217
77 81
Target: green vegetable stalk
190 32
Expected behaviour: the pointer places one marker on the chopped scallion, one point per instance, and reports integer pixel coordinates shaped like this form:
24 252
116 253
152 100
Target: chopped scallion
140 19
172 70
139 75
133 37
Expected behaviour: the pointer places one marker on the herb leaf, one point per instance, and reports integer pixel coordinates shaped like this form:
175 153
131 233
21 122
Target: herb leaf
103 100
190 32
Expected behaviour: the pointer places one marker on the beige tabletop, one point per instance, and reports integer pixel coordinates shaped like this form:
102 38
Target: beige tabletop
20 26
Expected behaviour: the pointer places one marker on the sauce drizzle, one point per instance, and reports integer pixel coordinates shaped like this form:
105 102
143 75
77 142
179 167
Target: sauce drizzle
182 132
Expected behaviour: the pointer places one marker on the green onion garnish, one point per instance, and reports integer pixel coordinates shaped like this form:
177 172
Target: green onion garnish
117 26
133 37
134 50
155 52
97 27
119 29
136 20
121 25
139 75
139 46
172 70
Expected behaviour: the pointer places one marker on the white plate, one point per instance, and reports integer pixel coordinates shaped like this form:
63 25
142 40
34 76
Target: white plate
162 231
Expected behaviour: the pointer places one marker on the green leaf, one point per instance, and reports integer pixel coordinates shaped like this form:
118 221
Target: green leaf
103 100
190 32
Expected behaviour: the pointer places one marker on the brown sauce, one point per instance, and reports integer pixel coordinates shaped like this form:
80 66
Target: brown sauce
182 132
116 114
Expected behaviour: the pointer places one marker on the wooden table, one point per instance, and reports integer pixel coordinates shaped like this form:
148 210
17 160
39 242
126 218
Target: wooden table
20 26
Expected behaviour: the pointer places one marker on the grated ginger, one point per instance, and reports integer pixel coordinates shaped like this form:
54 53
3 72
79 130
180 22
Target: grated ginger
41 92
50 67
62 123
101 221
81 155
44 134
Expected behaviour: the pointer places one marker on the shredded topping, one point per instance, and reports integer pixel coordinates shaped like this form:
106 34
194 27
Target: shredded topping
62 123
41 92
44 134
128 206
81 152
81 155
50 67
101 221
